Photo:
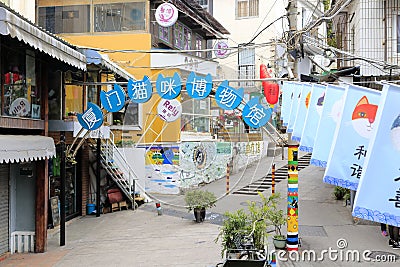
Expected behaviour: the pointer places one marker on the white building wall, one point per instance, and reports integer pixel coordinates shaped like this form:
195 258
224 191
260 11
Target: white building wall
26 7
243 30
369 35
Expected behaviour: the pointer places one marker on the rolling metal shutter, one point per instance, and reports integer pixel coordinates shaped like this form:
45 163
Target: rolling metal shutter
4 214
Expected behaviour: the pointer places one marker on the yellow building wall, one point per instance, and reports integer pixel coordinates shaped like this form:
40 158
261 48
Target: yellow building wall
138 64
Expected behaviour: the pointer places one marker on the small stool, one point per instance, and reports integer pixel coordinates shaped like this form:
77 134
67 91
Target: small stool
122 204
115 206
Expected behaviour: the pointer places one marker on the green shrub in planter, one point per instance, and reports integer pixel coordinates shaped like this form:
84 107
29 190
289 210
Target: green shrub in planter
241 222
340 192
236 223
199 199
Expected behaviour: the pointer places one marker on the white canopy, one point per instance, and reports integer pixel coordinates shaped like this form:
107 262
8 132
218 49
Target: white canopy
16 148
15 26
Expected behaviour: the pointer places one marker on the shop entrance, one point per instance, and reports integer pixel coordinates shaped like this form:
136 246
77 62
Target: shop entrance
22 196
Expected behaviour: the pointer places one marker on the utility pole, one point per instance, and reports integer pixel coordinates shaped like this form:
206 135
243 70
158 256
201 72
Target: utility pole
292 16
292 241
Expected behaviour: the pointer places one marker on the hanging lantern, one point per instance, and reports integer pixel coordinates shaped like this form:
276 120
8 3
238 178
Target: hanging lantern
264 72
271 92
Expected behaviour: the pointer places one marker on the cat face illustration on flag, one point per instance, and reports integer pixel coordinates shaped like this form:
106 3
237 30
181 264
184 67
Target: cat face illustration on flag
363 117
320 104
395 133
337 109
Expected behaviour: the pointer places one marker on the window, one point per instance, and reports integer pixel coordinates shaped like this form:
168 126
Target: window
182 36
247 8
73 99
246 64
92 91
110 17
195 114
199 46
119 17
398 32
203 3
128 116
164 34
21 95
65 19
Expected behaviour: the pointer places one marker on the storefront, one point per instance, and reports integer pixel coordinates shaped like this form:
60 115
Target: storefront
4 210
28 54
73 188
22 162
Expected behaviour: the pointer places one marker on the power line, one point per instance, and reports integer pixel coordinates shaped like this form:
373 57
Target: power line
265 17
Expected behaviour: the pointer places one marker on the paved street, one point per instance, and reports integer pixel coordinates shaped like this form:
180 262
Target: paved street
142 238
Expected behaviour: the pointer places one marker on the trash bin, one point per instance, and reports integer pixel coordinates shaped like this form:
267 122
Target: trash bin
90 208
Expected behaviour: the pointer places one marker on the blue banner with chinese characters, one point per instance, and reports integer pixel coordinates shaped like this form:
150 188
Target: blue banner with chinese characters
254 114
227 97
287 93
92 118
302 108
381 174
113 100
331 112
293 106
169 87
198 87
312 118
350 142
140 91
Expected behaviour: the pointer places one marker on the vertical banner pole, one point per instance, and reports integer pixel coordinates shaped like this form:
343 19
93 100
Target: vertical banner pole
227 178
292 197
273 179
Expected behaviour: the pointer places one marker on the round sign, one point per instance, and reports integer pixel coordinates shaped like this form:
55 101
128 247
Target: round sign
20 107
169 110
166 14
220 49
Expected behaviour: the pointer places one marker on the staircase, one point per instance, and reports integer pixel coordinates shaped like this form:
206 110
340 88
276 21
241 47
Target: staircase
116 166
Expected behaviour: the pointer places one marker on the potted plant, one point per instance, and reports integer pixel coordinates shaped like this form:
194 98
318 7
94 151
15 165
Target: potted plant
277 218
240 222
339 192
199 201
236 222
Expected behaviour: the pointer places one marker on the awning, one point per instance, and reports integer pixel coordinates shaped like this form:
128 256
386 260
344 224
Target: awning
16 148
15 26
94 57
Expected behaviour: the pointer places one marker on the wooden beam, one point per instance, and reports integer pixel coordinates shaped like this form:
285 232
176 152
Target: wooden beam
42 189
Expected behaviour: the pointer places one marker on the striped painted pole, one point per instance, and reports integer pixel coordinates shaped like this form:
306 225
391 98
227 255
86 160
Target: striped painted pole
273 179
293 197
227 178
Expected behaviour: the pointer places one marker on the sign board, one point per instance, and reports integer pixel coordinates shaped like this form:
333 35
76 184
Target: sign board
55 212
169 110
166 14
221 49
20 107
102 132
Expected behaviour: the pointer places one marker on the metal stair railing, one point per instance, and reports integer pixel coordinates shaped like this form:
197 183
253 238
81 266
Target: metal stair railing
122 174
116 166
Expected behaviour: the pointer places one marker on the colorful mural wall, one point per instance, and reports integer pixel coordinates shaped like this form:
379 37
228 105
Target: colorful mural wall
172 168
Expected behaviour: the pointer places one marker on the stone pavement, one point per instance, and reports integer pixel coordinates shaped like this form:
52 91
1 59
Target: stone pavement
142 238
